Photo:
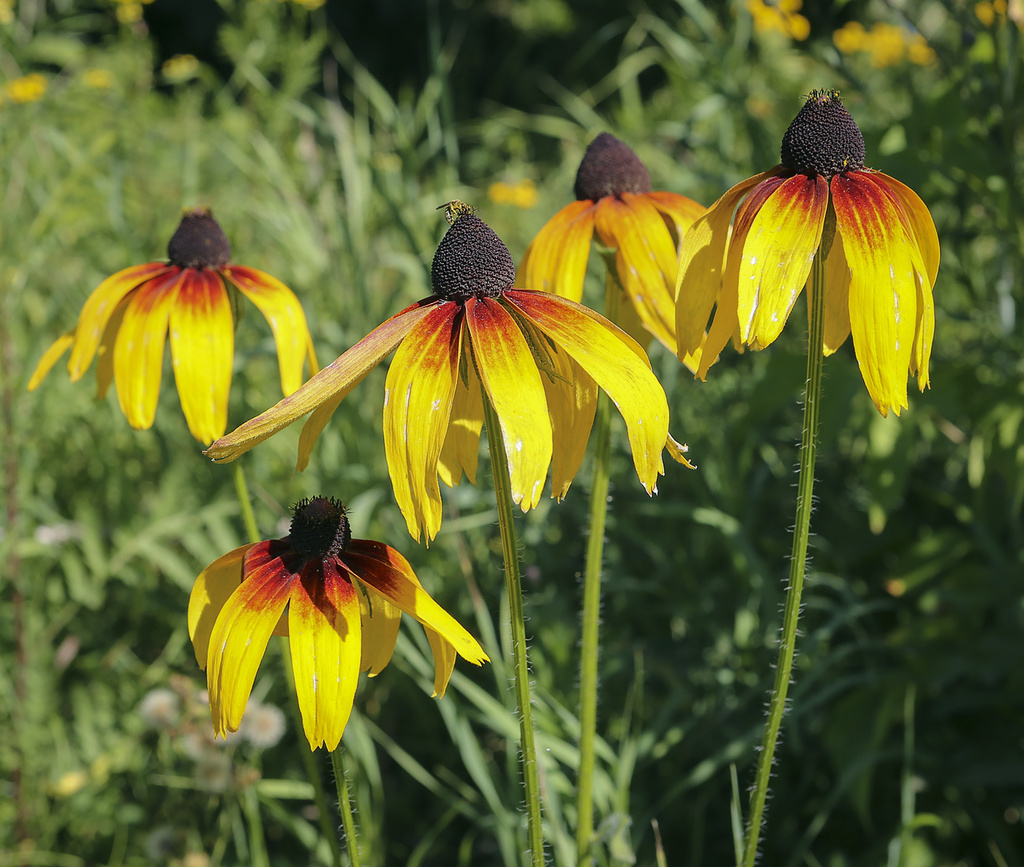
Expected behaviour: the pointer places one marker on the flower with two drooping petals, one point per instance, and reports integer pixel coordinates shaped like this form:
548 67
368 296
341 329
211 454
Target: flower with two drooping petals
751 255
614 201
339 600
538 358
128 316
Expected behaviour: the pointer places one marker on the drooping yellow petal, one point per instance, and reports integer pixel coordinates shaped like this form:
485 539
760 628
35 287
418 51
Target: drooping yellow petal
240 635
212 588
724 326
509 374
616 364
917 222
778 250
325 635
50 358
328 387
381 619
883 286
283 311
203 349
139 348
461 451
680 211
556 260
105 355
418 398
389 573
701 265
571 395
444 661
837 297
645 260
923 227
99 307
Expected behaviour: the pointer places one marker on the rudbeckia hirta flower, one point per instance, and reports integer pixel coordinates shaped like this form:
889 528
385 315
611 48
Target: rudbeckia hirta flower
880 244
344 598
538 358
614 201
126 320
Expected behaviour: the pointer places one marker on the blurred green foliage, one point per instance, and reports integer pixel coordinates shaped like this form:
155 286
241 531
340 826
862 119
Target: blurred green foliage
324 139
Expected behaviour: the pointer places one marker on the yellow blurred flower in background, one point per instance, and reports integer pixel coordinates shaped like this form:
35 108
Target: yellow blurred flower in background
782 16
28 88
522 194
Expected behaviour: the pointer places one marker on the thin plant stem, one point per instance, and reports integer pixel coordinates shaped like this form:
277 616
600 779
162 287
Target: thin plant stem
513 584
798 556
591 613
345 805
309 763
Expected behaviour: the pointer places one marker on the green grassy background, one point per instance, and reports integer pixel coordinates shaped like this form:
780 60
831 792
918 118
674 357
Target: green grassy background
324 140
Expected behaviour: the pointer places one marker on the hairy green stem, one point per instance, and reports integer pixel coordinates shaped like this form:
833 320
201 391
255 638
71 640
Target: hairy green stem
591 613
513 584
345 805
798 558
308 761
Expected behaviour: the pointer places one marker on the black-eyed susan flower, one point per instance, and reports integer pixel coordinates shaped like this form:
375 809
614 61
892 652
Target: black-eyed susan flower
339 600
614 201
128 316
538 358
751 254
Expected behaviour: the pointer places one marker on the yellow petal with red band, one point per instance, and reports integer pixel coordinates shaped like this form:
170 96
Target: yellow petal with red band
100 306
202 347
283 312
240 635
616 363
556 259
328 387
212 589
139 348
883 287
325 635
417 406
645 260
508 372
389 573
701 268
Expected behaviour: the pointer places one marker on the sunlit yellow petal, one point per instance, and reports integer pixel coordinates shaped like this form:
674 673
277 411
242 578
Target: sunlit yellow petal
239 639
611 357
645 260
701 264
923 226
418 398
332 383
390 574
287 321
50 358
325 639
571 395
381 619
203 347
883 288
680 211
139 348
99 307
212 588
556 260
509 374
778 250
461 451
